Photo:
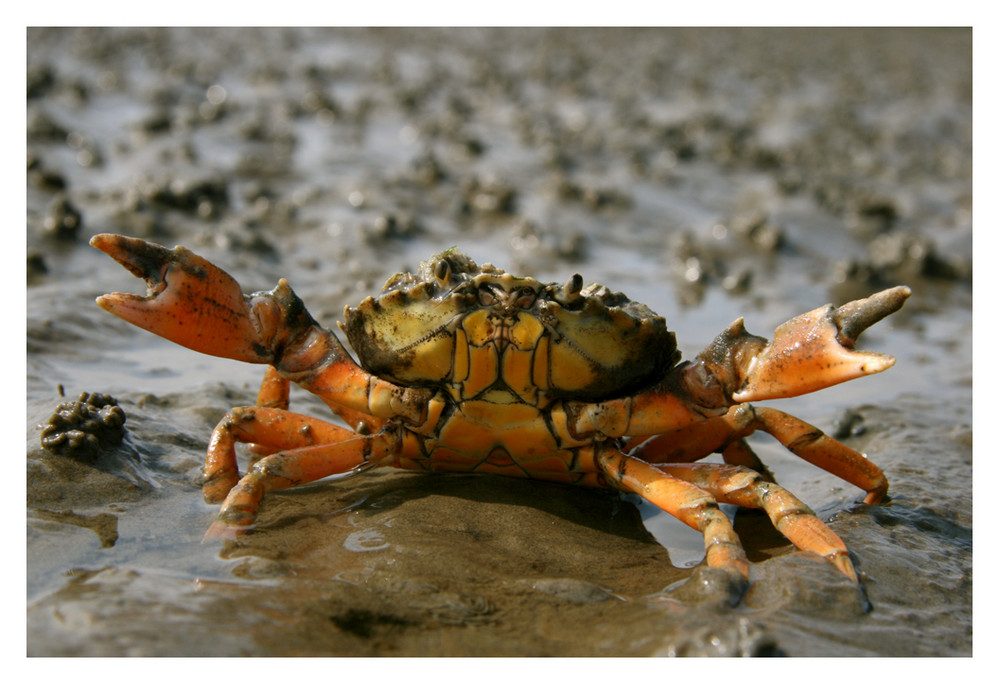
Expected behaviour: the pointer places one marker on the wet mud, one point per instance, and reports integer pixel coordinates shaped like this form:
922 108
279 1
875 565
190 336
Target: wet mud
709 174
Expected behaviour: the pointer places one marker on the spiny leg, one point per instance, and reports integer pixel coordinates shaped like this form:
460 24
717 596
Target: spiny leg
792 518
686 502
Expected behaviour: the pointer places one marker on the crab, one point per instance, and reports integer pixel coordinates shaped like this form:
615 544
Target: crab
467 368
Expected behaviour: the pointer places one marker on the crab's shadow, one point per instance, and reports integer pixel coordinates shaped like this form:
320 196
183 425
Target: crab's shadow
486 509
599 510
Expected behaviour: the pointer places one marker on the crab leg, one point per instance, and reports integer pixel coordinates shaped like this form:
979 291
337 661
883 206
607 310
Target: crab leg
814 446
274 393
274 390
273 430
310 449
793 519
686 502
739 454
269 429
802 439
685 446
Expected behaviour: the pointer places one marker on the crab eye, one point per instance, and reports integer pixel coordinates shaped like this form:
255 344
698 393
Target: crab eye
570 292
524 297
442 272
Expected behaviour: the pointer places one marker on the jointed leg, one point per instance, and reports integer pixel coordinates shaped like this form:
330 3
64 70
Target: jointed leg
725 433
274 390
739 453
684 501
290 468
274 394
817 448
273 429
793 519
694 442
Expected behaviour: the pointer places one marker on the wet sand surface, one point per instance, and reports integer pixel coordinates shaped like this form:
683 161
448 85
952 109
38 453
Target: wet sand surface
709 174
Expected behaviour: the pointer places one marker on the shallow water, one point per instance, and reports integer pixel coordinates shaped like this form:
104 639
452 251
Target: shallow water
708 174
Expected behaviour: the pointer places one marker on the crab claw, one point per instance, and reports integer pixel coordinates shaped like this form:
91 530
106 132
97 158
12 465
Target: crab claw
815 350
189 300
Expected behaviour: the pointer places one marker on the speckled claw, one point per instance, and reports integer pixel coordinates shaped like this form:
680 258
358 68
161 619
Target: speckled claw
189 300
815 350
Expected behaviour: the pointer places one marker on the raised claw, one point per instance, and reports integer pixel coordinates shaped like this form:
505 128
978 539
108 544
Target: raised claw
815 350
189 300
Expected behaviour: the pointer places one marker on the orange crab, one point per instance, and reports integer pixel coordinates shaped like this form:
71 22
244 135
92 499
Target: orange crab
468 368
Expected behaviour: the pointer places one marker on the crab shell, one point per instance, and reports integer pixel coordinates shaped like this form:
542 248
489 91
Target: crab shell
471 329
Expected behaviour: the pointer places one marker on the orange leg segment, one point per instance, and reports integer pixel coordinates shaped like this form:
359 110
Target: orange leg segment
793 519
739 453
817 448
724 433
274 390
686 502
310 449
274 393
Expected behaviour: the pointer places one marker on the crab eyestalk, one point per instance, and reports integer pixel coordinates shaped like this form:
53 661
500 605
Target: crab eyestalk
810 352
571 291
198 305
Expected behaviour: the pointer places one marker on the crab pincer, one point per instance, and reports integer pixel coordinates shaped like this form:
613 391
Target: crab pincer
816 350
189 300
194 303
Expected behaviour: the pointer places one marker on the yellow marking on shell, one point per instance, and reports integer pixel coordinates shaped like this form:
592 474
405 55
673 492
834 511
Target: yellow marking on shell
460 365
568 369
480 426
406 337
525 333
540 364
517 371
483 370
483 365
432 359
595 345
518 359
478 327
